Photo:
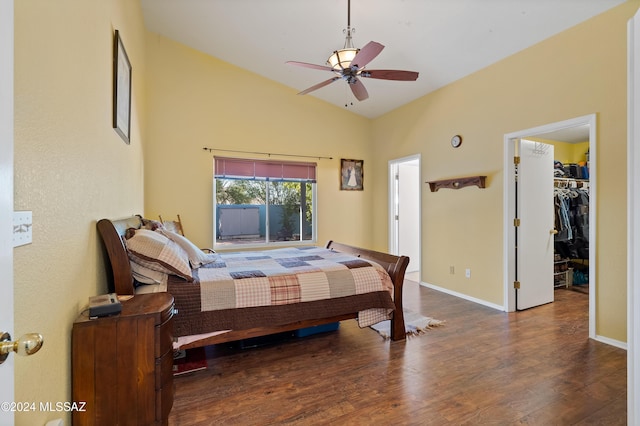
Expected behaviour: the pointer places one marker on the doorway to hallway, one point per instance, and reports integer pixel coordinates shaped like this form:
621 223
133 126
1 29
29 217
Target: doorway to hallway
405 212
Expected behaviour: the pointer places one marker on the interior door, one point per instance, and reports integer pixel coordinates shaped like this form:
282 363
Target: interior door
6 199
409 212
404 210
534 233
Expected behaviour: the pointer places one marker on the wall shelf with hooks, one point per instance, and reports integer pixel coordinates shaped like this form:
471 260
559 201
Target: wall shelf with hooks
458 183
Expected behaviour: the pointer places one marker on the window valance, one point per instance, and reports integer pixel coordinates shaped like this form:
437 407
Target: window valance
245 168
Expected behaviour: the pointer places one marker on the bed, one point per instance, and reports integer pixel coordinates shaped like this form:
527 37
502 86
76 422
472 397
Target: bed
204 317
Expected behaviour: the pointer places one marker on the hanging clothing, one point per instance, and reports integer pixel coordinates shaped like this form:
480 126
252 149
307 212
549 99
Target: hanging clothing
572 222
563 222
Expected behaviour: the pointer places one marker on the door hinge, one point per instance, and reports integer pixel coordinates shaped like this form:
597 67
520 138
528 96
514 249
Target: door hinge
516 222
516 160
516 284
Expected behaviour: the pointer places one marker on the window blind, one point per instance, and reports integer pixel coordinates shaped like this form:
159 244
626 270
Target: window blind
243 168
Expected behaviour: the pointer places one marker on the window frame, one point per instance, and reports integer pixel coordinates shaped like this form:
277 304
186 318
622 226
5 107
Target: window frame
267 242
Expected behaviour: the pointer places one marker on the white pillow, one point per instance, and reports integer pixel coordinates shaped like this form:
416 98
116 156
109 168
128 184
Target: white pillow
197 257
155 251
145 275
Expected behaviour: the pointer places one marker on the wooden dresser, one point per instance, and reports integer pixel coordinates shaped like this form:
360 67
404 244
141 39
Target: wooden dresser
122 365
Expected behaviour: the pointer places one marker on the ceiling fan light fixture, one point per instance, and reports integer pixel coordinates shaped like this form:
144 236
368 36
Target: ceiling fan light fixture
341 59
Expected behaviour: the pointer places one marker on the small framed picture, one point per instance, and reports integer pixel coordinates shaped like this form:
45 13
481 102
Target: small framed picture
121 90
351 175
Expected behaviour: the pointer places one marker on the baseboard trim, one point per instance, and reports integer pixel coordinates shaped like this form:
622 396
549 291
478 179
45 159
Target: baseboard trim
612 342
463 296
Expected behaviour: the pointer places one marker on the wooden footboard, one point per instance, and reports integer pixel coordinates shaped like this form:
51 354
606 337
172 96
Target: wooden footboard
396 266
121 282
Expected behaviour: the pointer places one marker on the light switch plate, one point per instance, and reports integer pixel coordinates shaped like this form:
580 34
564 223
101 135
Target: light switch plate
22 226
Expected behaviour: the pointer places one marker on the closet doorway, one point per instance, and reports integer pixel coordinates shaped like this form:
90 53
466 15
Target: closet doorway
581 129
404 212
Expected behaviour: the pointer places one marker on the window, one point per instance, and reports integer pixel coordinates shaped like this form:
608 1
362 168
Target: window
263 201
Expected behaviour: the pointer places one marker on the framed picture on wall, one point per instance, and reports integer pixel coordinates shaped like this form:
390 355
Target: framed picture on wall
351 175
121 90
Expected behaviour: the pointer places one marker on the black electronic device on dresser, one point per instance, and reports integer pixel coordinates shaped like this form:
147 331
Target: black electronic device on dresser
104 305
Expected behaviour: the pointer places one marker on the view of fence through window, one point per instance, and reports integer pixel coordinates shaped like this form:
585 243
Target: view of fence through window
259 211
263 201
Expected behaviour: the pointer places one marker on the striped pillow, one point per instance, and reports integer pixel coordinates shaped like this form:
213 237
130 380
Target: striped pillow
155 251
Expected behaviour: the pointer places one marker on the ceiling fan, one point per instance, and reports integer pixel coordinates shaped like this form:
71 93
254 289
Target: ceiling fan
348 64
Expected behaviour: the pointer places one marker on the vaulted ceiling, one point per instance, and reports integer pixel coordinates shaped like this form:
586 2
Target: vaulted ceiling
443 40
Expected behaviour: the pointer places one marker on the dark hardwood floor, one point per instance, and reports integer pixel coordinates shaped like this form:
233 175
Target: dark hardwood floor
536 367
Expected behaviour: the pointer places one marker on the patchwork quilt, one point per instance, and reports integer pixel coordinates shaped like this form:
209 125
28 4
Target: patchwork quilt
274 287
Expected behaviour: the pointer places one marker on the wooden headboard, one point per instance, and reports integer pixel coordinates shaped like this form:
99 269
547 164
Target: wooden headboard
112 233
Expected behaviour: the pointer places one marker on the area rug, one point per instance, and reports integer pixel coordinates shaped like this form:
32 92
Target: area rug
414 324
189 360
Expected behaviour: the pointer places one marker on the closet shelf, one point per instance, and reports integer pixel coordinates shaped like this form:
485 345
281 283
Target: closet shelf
458 183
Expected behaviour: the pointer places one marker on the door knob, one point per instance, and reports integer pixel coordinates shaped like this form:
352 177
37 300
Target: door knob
27 344
553 231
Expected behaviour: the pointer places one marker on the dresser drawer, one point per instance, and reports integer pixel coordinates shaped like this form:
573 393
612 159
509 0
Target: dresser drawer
164 370
164 402
167 313
164 338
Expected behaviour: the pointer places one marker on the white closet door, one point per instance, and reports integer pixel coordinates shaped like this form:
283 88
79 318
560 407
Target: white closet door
536 214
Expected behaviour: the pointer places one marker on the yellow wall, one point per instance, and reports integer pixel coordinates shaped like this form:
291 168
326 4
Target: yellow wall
464 228
198 101
567 152
571 152
71 168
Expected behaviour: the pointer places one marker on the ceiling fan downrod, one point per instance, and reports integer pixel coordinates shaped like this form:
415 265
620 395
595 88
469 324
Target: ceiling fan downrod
348 44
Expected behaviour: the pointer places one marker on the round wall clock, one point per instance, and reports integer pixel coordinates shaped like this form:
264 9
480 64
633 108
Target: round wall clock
456 141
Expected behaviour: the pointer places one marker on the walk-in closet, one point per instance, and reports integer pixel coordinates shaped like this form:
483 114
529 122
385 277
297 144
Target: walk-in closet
571 207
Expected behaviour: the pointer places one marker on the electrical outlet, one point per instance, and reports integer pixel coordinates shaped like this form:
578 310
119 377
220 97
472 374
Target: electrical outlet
467 273
452 270
22 224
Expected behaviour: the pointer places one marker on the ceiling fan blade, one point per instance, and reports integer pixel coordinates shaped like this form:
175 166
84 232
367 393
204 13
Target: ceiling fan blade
359 91
306 65
319 85
367 54
390 75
